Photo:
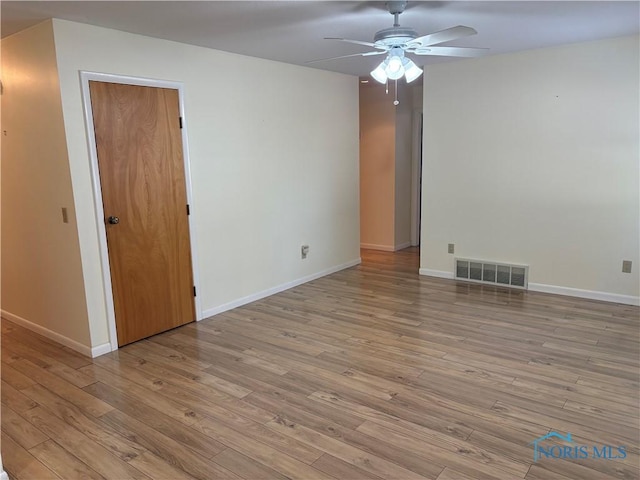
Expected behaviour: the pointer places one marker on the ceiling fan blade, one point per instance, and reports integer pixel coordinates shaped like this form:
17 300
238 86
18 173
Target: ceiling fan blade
449 51
365 54
357 42
442 36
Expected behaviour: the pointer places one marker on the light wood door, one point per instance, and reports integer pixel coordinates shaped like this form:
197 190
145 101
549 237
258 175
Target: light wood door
140 158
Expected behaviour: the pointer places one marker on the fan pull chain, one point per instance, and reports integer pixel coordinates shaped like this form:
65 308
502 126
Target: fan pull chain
386 87
396 102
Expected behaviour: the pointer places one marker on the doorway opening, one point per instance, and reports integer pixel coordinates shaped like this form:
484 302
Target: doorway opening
390 167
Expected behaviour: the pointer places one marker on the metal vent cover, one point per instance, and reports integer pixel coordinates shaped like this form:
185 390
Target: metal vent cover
491 273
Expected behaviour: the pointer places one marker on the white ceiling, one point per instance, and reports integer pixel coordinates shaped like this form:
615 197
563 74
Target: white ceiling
293 31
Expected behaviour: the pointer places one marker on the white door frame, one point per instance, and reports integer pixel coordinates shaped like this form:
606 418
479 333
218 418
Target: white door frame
85 77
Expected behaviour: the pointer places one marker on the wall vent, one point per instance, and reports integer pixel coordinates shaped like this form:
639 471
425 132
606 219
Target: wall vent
491 273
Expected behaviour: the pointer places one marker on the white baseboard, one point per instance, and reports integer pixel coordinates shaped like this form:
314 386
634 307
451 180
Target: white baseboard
373 246
385 248
590 294
436 273
277 289
45 332
101 350
3 474
554 289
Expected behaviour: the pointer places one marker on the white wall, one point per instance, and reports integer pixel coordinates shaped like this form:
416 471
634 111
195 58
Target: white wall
274 159
42 284
533 158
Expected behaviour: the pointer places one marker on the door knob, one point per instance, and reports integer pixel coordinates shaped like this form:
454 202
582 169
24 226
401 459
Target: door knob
113 220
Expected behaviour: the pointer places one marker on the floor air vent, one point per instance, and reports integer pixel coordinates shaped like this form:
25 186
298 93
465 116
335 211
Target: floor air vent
491 273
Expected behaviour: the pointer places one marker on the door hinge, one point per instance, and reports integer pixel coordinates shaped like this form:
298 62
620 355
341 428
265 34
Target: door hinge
194 291
188 210
180 118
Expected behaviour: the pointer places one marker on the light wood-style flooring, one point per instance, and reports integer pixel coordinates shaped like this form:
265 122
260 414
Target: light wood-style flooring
372 372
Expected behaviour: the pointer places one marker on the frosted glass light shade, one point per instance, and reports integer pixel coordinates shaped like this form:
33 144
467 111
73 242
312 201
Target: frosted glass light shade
394 69
378 74
411 70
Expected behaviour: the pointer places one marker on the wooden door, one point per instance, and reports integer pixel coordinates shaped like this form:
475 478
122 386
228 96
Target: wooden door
140 159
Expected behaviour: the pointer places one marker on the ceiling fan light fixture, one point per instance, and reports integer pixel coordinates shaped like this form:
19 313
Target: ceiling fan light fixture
395 41
411 70
379 74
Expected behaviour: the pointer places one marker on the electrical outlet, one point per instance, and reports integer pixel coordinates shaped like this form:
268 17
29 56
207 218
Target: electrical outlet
451 248
626 266
304 251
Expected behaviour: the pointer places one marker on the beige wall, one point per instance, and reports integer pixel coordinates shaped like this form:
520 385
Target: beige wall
41 269
377 167
274 162
532 158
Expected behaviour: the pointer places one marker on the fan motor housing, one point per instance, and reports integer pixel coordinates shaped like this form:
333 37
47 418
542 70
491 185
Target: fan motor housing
394 36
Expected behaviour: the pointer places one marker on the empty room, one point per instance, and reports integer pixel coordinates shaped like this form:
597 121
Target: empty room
329 240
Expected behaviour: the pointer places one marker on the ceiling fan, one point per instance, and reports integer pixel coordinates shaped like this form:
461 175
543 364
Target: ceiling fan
397 41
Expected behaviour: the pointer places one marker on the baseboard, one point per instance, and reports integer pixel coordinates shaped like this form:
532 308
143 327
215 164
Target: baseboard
385 248
402 246
436 273
373 246
101 350
589 294
3 474
45 332
556 290
277 289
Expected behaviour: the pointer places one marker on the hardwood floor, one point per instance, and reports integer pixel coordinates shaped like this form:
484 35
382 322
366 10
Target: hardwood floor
373 372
